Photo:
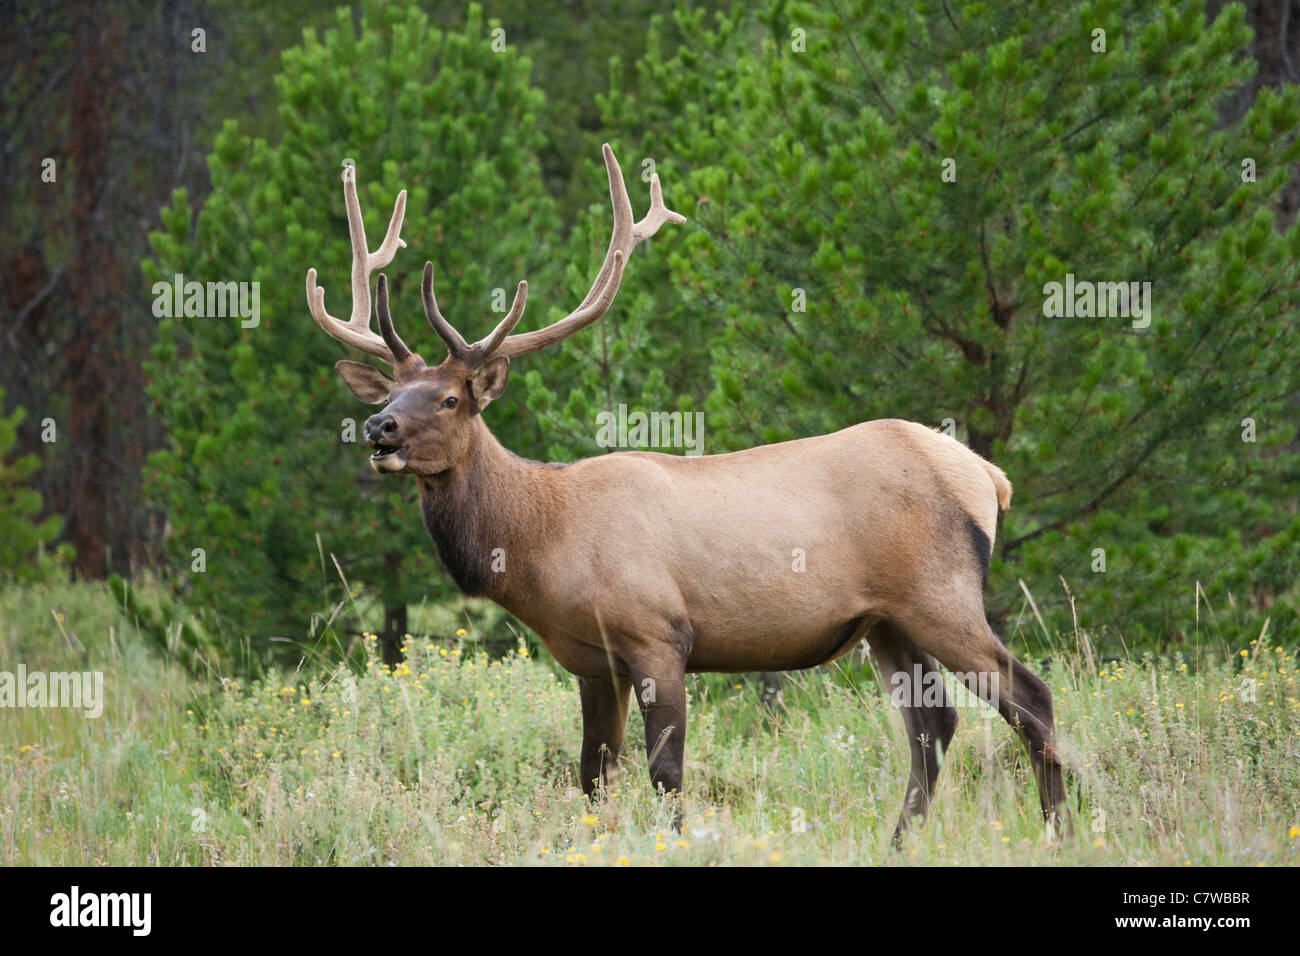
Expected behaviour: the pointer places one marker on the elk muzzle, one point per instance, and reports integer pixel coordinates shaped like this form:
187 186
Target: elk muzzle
384 434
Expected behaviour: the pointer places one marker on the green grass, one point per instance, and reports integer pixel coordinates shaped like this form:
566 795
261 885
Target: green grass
464 759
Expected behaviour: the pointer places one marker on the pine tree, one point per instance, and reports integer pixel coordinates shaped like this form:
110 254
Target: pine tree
21 533
649 353
882 197
266 485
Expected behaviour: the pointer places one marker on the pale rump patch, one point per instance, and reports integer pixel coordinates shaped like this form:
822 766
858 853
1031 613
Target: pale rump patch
976 484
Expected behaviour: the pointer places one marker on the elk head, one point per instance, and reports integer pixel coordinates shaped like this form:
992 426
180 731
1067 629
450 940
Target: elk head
430 418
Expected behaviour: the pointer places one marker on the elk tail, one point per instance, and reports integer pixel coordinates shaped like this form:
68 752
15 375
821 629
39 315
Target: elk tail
1000 484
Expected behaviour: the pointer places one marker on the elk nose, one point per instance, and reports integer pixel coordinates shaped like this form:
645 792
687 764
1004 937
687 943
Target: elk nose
381 429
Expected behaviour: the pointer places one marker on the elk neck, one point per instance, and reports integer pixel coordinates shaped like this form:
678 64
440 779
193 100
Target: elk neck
485 515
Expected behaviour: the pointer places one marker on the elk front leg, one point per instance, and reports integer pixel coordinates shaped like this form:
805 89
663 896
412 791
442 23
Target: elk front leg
604 722
660 690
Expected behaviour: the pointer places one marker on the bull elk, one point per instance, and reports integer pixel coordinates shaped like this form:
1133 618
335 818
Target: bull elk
635 568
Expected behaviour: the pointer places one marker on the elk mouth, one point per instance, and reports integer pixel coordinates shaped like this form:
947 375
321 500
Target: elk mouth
389 457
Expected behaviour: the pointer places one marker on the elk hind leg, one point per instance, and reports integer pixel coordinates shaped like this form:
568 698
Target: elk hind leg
915 684
964 643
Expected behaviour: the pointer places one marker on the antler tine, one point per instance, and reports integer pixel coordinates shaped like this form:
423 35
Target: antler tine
454 341
356 332
658 214
625 237
391 338
624 227
486 346
456 344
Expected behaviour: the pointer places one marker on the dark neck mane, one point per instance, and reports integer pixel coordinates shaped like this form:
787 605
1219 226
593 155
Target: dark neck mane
485 511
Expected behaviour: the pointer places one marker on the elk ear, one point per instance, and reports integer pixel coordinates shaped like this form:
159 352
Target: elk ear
367 382
489 380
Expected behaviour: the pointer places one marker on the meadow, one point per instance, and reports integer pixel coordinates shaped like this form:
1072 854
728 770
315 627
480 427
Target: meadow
459 757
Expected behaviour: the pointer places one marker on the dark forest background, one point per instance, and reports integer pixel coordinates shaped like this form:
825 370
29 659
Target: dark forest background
803 141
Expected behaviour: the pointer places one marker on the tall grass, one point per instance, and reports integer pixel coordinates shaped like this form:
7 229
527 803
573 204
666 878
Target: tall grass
460 758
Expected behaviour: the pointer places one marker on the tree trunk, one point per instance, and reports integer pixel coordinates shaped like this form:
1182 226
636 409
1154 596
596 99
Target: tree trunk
92 274
394 634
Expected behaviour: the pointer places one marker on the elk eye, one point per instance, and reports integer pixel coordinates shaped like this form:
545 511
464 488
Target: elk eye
449 401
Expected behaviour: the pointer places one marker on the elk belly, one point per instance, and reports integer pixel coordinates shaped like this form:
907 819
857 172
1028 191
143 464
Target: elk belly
776 650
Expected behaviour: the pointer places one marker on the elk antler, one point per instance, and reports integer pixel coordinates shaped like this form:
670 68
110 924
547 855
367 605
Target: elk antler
627 234
476 354
356 331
